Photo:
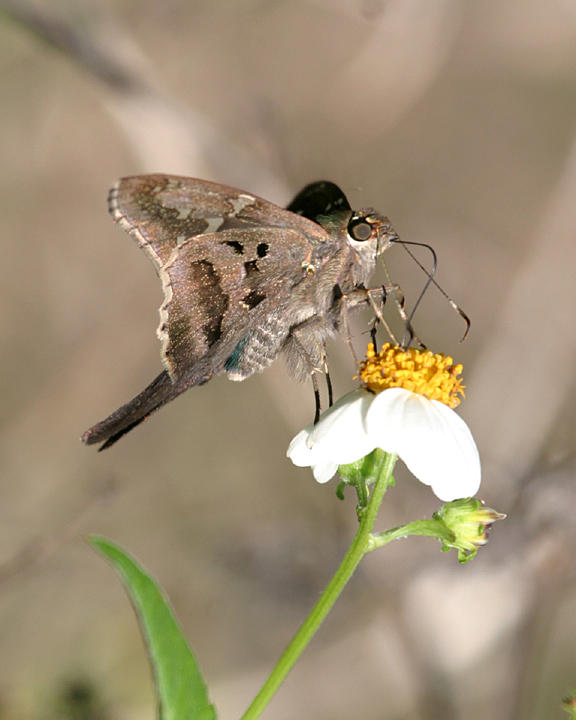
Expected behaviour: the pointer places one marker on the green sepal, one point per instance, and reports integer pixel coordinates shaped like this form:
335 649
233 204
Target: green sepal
366 470
362 473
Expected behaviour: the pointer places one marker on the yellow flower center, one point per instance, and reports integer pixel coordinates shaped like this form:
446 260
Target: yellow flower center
433 375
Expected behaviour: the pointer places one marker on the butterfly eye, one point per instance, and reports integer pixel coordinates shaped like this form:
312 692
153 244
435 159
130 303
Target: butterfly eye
359 229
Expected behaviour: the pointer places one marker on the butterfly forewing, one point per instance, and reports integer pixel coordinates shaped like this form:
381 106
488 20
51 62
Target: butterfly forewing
162 211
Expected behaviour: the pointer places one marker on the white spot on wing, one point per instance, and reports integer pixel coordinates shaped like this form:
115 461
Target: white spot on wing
241 202
214 224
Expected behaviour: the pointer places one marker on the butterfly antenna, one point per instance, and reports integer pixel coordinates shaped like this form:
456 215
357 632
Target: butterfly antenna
432 281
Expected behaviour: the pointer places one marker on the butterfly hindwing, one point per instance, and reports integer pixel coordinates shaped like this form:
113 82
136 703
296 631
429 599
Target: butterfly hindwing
222 288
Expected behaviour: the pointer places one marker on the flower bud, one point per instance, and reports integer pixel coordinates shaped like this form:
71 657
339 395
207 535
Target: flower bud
569 704
470 523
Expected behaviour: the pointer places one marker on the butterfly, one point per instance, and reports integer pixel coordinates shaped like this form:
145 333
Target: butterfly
244 280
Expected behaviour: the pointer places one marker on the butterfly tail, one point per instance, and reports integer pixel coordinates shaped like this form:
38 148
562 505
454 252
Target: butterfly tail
160 391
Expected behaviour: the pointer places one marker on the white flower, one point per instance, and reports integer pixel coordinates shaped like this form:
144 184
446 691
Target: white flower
431 439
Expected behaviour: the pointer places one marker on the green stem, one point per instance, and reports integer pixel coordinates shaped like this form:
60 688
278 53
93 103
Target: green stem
430 528
360 546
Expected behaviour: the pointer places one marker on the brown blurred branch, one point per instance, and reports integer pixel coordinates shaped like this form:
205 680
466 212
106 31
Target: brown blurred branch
85 49
163 135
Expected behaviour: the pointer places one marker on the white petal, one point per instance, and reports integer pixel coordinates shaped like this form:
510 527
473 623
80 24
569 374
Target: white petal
303 456
386 417
298 450
433 441
339 437
324 471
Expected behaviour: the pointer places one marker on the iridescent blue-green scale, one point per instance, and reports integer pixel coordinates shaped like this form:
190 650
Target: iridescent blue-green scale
234 360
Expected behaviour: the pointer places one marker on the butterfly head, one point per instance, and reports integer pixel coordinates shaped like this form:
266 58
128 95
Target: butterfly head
370 233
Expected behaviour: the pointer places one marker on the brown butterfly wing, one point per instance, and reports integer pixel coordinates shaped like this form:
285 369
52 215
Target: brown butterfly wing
220 287
163 211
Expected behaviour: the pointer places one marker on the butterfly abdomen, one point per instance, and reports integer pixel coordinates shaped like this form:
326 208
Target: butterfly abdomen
258 349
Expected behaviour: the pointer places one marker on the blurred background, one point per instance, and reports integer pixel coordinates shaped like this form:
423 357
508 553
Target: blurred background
457 120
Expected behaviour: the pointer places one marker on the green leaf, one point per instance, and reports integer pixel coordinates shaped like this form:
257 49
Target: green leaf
180 688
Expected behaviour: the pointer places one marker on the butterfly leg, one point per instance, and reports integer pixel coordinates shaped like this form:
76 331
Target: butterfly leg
328 385
308 351
356 298
372 297
317 407
377 297
345 326
373 334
